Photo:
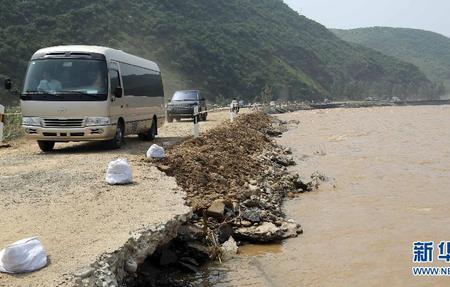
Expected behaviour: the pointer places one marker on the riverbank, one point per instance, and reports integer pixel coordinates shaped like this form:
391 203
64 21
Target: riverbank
236 180
293 107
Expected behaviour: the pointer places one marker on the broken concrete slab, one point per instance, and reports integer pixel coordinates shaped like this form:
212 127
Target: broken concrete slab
216 209
229 249
265 232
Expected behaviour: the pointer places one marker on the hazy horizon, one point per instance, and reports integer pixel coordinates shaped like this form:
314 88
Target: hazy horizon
350 14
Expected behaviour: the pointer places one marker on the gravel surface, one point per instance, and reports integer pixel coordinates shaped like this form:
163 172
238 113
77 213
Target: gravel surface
62 198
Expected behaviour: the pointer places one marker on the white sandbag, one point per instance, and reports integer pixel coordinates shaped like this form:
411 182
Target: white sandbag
119 172
155 151
26 255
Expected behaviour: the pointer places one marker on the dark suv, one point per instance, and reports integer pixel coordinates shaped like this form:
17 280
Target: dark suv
183 103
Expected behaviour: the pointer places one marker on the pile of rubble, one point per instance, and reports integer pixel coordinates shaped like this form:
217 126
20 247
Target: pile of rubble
236 179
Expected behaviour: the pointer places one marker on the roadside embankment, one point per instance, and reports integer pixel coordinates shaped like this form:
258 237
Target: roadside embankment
236 179
87 227
237 175
292 107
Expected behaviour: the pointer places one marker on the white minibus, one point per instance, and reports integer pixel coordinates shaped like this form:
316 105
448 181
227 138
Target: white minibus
90 93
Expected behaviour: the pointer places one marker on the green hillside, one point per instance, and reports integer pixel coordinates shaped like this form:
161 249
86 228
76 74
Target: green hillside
427 50
230 48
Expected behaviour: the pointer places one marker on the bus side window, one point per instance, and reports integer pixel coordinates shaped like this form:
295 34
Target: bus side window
114 80
115 85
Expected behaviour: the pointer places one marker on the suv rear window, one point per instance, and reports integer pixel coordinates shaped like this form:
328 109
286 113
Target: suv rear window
185 96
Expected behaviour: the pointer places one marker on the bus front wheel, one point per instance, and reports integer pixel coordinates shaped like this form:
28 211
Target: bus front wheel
46 146
117 141
150 134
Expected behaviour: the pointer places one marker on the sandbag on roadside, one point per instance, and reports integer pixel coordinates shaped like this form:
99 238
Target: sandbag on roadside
155 151
119 172
26 255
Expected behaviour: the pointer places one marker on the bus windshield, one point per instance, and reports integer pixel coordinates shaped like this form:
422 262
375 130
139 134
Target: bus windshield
66 79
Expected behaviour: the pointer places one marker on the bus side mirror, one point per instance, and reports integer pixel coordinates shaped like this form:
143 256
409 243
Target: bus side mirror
8 84
118 92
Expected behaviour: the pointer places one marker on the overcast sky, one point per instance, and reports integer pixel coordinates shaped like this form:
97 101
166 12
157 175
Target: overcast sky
432 15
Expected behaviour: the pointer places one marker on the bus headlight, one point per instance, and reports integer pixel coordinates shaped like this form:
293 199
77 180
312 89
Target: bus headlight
98 121
31 121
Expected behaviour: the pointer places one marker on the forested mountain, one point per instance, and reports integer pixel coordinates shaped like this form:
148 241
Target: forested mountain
231 48
427 50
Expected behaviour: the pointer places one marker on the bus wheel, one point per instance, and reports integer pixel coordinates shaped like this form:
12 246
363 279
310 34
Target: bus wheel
46 146
117 141
150 134
169 119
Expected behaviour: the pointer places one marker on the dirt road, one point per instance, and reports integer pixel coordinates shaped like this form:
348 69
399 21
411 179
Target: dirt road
62 198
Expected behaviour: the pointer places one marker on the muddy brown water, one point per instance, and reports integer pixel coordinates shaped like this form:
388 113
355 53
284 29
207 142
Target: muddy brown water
390 186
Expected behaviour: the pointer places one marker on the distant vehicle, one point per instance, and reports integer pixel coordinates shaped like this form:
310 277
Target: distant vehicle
241 103
395 100
256 106
90 93
182 105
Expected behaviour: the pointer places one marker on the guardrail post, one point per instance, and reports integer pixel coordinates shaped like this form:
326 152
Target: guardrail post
233 110
2 120
196 120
